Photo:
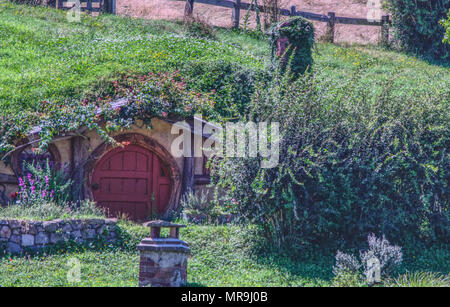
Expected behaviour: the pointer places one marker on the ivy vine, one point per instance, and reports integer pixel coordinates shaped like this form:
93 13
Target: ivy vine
300 33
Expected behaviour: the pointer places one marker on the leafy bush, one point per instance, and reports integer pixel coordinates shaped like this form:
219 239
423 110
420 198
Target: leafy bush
390 257
352 161
232 84
199 208
348 279
417 26
346 263
419 279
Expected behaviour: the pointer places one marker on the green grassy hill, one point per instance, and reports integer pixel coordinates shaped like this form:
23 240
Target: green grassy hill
43 56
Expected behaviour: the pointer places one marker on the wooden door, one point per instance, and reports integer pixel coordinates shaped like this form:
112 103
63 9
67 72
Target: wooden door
132 181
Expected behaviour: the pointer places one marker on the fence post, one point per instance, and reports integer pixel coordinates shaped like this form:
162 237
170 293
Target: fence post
189 8
60 4
236 13
110 6
293 10
385 30
330 26
89 6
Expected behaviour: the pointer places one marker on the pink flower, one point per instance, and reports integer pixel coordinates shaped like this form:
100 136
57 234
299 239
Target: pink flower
164 114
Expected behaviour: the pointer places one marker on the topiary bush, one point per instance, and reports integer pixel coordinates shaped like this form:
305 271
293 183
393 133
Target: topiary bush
417 27
298 55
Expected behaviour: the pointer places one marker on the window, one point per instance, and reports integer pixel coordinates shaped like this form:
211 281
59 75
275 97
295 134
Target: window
27 155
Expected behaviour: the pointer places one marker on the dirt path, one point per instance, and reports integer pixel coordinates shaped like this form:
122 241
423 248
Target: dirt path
167 9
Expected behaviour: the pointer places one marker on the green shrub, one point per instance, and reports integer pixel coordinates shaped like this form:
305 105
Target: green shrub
352 161
199 208
348 279
419 279
417 26
232 84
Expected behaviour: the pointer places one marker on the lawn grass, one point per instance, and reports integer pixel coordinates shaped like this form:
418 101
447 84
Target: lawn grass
48 211
221 256
43 56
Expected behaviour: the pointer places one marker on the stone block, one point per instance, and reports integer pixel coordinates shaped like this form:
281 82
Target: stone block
5 232
50 226
27 240
13 248
41 238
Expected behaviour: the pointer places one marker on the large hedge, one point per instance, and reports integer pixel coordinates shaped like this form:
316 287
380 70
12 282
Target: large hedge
353 161
417 26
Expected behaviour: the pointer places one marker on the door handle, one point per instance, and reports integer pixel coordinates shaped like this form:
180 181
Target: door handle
95 186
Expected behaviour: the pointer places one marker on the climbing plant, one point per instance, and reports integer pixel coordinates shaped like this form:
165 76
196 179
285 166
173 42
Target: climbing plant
298 54
162 95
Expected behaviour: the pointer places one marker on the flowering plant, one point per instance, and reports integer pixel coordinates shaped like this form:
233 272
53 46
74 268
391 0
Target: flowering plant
163 95
43 184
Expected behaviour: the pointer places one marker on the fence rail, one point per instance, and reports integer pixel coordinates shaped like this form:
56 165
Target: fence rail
331 19
236 6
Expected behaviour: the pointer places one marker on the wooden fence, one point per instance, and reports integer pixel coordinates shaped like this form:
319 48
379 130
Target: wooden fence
331 19
236 6
108 6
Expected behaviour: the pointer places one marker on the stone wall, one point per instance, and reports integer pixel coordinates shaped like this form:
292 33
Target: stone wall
17 236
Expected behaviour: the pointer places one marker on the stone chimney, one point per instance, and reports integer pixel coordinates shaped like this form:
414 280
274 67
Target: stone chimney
163 261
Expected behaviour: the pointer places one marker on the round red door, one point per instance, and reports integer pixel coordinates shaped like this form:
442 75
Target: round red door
132 181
